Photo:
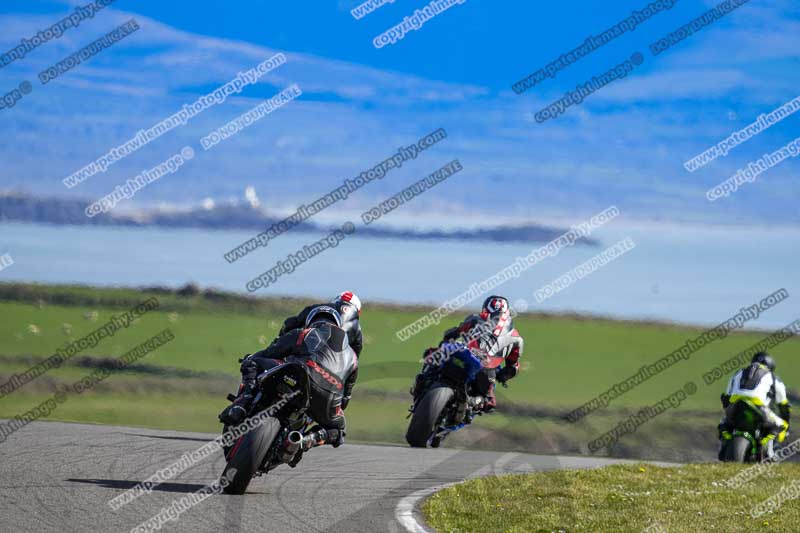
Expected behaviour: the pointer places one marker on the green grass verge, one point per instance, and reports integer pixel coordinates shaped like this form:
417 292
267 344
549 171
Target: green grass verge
568 361
614 498
368 421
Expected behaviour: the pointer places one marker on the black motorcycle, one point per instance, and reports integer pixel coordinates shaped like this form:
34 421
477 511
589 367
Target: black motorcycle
743 444
444 400
281 436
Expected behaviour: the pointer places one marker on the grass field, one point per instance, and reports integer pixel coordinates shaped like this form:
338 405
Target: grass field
616 498
568 360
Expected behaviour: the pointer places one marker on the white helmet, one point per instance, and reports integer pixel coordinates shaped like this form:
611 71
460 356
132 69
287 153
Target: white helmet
351 298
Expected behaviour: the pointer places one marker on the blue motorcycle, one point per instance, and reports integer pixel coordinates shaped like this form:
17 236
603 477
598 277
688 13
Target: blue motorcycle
445 400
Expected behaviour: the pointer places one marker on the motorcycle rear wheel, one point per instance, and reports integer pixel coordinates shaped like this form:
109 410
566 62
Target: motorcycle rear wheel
247 454
427 415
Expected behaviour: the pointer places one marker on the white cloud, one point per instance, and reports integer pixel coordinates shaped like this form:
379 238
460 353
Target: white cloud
625 143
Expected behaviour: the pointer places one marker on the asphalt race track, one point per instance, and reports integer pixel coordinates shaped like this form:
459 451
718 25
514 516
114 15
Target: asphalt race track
59 477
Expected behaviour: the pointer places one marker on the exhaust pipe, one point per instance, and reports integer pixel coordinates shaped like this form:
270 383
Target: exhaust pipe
291 446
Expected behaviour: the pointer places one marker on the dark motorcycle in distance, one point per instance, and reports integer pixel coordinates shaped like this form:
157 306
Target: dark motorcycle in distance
283 436
447 401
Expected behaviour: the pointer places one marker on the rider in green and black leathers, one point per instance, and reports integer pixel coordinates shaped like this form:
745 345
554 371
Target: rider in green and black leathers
757 389
332 365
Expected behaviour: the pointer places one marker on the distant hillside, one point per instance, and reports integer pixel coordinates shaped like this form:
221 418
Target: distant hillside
60 211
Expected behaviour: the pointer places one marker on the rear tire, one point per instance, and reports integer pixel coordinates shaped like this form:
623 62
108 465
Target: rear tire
247 455
427 415
738 450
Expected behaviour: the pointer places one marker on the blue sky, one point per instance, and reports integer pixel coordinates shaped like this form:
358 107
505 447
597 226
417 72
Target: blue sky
624 145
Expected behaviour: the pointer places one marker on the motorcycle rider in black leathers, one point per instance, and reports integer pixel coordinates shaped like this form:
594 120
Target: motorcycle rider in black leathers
349 307
323 347
490 333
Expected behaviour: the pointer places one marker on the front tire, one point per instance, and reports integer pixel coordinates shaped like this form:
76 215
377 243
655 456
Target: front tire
738 450
427 415
247 454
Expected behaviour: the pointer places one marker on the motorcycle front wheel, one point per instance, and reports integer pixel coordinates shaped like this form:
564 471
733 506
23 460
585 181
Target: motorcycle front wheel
738 450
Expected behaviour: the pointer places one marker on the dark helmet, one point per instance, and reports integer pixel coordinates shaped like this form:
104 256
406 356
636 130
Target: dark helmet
763 358
497 309
324 313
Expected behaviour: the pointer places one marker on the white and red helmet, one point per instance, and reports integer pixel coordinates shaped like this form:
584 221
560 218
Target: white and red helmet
497 309
351 298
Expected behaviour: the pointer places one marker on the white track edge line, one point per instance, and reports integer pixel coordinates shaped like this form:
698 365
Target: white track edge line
404 512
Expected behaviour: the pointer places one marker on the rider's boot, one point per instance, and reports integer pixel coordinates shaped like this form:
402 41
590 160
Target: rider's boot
491 401
235 413
335 437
